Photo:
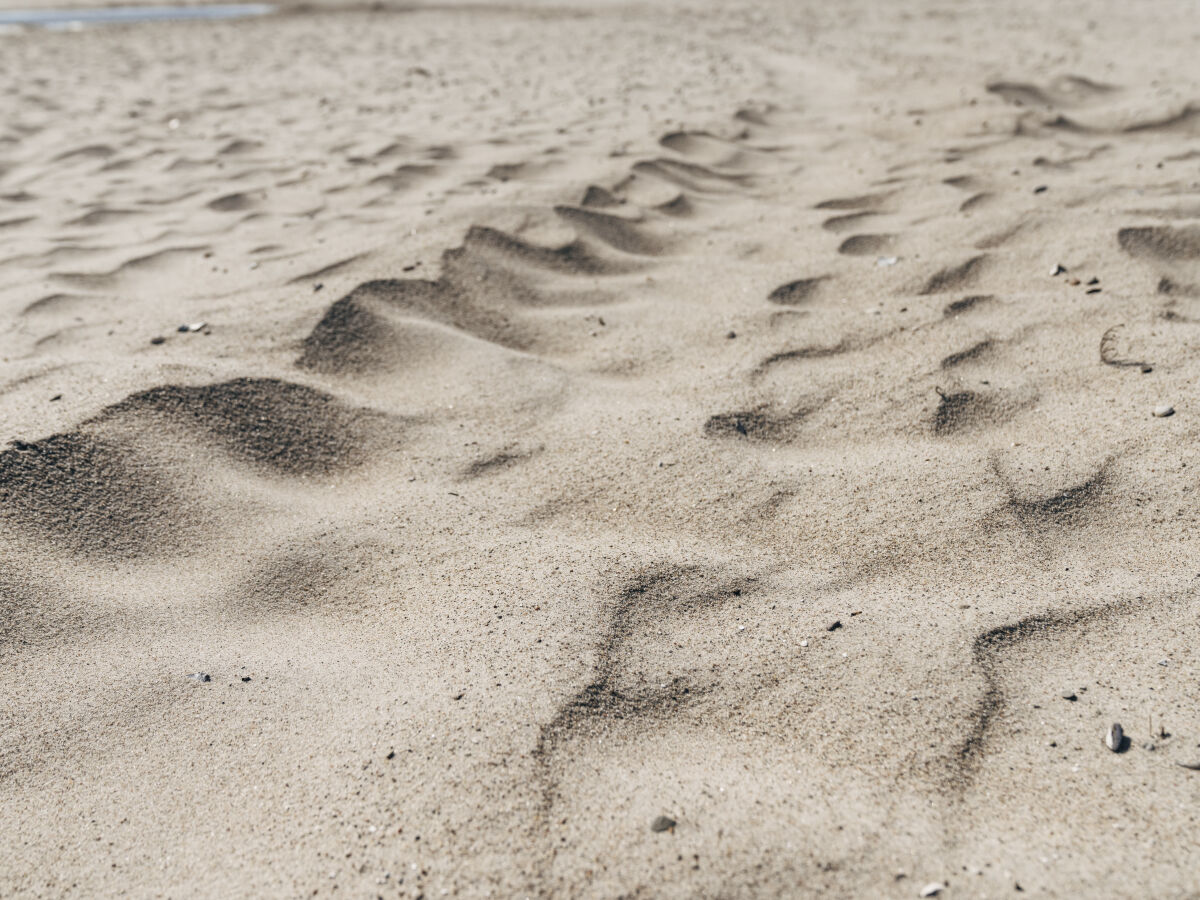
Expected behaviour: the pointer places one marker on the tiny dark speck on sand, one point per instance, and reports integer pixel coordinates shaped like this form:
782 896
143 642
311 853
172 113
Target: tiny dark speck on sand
662 823
835 626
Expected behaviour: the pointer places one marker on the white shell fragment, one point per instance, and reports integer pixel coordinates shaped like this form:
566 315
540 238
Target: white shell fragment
1163 411
1057 270
887 260
200 676
932 889
1115 737
192 326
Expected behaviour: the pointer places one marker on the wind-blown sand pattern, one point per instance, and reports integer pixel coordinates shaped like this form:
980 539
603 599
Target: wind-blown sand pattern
736 413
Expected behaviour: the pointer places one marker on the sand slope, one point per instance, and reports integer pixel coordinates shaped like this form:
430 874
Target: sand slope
736 414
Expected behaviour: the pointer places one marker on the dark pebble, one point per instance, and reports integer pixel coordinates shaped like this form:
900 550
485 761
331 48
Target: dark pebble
1041 189
160 340
662 823
835 626
1069 696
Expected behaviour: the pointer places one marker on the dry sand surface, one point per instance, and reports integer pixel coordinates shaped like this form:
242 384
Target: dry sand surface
598 413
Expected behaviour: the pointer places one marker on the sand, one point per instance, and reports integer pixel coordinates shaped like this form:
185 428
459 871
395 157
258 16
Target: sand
738 413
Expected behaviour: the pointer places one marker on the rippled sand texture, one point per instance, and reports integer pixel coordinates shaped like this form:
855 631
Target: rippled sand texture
597 413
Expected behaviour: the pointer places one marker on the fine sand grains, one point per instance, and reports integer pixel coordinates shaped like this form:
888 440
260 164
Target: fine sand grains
671 451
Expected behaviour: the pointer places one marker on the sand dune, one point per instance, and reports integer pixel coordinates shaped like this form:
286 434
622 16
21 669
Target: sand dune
540 420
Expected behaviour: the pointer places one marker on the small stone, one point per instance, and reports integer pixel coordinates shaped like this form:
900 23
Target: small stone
1041 189
194 326
245 678
1094 281
1161 412
662 823
1058 270
804 643
1146 370
1164 662
158 340
200 676
731 335
835 626
932 889
318 287
887 260
1069 695
1194 766
1114 740
1149 745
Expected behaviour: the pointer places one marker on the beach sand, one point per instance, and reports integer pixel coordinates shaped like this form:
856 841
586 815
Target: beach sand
736 413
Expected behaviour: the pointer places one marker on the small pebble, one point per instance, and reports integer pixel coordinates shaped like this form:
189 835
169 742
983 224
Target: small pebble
1070 696
200 676
158 340
932 889
662 823
1058 269
887 260
1164 662
194 326
1094 281
1115 738
245 678
804 643
835 626
1163 411
1041 189
1194 766
731 335
1149 745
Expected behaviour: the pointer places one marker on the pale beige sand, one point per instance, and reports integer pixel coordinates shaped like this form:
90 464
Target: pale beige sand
556 399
